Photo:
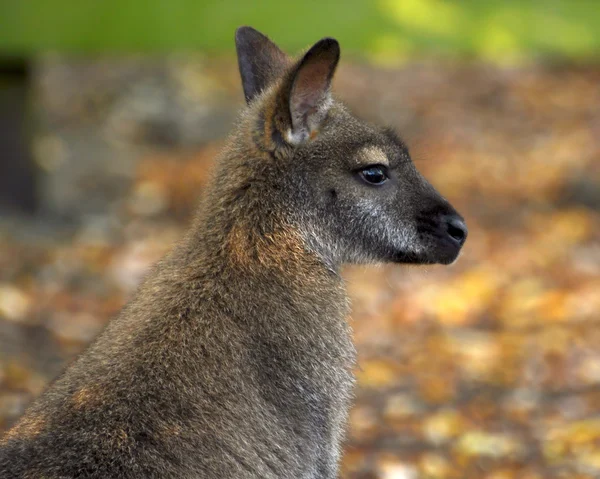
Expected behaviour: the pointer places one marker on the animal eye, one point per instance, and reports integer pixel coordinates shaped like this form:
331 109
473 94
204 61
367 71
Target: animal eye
374 175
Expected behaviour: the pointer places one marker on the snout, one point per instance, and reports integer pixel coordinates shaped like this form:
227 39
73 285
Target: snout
456 229
449 234
443 232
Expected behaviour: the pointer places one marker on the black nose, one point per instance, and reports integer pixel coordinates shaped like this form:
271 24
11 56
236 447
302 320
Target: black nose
456 229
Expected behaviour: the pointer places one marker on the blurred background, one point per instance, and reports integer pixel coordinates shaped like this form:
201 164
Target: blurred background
111 114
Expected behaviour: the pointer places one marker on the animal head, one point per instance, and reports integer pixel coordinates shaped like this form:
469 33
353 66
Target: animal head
349 187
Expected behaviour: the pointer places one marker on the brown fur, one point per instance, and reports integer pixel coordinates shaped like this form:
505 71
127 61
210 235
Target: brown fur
27 428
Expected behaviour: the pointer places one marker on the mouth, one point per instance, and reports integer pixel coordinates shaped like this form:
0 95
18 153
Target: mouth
436 249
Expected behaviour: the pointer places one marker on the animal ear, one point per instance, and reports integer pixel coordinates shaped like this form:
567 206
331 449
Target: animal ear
309 89
259 59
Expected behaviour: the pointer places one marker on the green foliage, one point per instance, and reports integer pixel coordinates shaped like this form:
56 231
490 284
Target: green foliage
387 30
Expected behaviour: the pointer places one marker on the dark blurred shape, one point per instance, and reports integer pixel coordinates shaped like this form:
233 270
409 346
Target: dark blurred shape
581 190
17 172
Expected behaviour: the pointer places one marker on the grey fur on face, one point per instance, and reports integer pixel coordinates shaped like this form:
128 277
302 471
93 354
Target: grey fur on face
234 359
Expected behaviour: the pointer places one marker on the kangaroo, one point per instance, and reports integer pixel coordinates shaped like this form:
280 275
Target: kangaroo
234 358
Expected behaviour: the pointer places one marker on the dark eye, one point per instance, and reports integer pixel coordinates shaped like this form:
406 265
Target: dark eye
374 175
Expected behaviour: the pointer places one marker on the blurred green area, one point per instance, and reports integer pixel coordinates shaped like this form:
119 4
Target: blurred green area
383 30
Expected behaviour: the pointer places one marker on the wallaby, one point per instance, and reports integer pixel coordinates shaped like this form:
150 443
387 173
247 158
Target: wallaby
234 359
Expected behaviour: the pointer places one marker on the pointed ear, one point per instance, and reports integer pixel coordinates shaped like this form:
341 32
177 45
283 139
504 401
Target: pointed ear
259 59
309 93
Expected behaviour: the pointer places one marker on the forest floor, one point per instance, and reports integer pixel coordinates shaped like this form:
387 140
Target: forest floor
486 369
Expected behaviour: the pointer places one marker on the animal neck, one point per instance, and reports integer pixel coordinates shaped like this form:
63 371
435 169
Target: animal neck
249 241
